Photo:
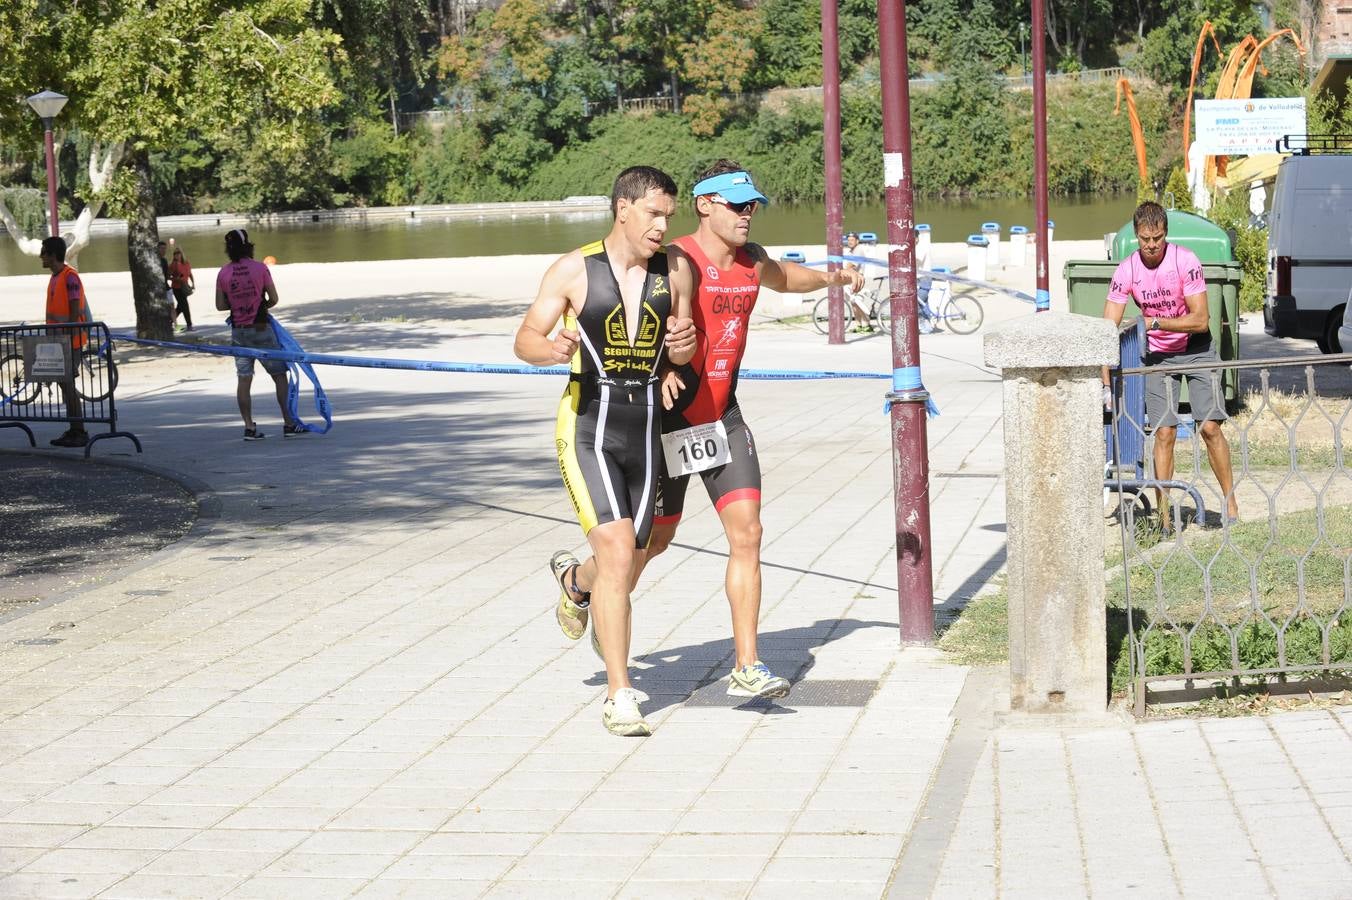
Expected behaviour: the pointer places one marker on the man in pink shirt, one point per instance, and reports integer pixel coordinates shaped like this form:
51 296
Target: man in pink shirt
1165 280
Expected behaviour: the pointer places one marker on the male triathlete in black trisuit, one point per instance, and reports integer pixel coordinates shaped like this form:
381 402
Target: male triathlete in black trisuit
704 428
622 301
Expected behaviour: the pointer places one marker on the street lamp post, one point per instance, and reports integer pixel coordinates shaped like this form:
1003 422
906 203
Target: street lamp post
1023 52
47 105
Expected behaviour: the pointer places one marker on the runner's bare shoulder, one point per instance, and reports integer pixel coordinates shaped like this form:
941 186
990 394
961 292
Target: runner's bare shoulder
566 277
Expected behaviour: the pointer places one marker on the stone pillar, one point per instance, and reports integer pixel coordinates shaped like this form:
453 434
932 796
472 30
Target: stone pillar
1054 457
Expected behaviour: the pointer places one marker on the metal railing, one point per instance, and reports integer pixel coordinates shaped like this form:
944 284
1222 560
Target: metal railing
59 373
1201 604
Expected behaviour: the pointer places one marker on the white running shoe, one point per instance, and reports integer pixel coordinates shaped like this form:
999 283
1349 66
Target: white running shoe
756 680
621 714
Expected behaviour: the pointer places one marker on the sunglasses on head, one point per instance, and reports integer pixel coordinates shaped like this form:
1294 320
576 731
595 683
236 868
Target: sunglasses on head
738 208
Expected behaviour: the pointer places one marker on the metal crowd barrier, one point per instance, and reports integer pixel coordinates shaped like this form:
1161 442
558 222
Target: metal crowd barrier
45 370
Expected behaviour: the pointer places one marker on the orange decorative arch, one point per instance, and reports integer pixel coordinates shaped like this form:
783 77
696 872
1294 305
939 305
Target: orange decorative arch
1137 135
1208 30
1236 82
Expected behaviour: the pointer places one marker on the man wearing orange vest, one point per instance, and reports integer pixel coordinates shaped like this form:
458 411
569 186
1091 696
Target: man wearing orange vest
66 305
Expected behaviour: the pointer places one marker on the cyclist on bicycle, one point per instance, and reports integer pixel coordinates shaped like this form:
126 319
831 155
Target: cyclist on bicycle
67 305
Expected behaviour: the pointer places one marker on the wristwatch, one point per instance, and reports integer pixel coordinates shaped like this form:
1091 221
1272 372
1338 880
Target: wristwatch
1155 323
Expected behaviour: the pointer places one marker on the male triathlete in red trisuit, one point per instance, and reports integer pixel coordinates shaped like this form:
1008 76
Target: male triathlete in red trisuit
703 430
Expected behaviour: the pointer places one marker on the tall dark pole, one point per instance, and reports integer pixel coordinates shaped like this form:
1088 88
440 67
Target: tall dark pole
908 398
835 203
51 176
1044 297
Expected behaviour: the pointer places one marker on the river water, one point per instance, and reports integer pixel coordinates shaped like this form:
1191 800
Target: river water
1076 218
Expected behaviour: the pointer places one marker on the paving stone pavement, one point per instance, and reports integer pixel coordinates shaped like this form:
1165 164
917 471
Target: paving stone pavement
1247 807
351 682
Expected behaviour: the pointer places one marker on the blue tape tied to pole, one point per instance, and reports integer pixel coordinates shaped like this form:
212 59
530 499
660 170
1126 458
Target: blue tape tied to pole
294 371
908 379
1044 300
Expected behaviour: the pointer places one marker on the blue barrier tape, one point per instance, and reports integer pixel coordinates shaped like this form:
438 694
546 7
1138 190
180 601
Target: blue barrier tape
908 378
1044 300
429 365
294 371
847 258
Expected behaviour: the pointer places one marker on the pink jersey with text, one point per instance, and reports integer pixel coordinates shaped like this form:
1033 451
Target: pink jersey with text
243 283
1159 292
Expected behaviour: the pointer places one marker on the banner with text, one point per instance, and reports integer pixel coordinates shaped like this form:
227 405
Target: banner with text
1246 127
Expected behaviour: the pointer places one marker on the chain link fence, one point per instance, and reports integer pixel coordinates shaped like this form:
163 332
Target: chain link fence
1201 602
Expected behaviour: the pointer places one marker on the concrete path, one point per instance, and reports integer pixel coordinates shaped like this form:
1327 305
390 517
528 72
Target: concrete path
349 682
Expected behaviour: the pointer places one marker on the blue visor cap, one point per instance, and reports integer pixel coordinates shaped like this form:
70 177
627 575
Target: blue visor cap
734 187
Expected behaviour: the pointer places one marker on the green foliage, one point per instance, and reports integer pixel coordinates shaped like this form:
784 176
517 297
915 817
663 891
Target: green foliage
788 48
1166 54
1177 185
959 129
263 104
1231 212
370 164
29 208
620 141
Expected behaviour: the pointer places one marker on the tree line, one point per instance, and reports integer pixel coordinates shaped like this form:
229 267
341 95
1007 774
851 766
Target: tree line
259 105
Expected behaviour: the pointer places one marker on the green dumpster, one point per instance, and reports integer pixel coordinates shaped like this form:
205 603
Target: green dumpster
1202 236
1087 286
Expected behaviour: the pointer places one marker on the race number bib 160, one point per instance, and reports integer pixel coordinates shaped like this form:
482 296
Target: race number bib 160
695 449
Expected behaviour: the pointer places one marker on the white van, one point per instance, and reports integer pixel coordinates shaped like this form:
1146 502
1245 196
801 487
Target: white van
1309 273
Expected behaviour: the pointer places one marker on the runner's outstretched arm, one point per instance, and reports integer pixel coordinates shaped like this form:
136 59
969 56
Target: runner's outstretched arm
787 277
566 279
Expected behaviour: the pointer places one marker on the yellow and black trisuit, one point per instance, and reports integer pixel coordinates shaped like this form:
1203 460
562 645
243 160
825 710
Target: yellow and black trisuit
609 418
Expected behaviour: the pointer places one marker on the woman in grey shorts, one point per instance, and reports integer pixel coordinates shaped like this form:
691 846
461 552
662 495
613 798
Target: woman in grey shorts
245 288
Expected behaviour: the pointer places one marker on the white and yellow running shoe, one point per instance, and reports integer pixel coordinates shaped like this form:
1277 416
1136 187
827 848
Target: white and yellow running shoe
622 716
572 616
756 680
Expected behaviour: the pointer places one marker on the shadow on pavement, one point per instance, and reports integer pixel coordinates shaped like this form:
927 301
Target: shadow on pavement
65 522
672 675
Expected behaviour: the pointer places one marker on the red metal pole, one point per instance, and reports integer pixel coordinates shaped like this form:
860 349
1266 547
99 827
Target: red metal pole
1043 297
51 177
835 203
908 398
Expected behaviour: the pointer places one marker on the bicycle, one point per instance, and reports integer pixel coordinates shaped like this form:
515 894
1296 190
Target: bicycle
960 313
92 383
874 299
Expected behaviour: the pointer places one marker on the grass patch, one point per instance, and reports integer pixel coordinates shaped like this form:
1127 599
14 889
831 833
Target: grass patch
980 634
1253 573
1240 628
